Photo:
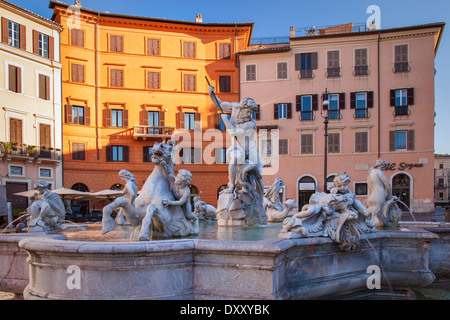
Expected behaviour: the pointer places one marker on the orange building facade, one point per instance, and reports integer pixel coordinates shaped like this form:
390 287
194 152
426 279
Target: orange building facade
129 82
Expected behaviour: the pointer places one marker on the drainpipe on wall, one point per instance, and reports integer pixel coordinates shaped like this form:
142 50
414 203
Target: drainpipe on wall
97 143
379 99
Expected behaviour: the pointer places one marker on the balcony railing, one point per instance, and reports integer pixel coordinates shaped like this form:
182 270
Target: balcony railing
361 71
334 72
401 67
10 150
306 74
152 131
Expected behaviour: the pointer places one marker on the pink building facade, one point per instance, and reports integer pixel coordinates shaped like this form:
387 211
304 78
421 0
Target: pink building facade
380 88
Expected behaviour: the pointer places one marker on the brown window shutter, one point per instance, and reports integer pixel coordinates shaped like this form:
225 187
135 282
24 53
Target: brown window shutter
23 37
391 140
410 140
42 89
146 154
113 76
289 110
109 153
12 77
87 116
298 103
35 42
370 99
341 101
392 98
19 79
162 118
198 121
298 61
275 111
258 113
216 121
180 120
144 118
51 48
47 88
353 100
314 60
45 136
68 113
126 153
107 117
5 32
410 96
315 102
125 118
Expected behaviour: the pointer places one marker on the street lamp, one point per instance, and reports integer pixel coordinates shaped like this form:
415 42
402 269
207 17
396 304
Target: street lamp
325 105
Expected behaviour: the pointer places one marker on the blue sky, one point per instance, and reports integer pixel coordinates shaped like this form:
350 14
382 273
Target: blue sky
273 18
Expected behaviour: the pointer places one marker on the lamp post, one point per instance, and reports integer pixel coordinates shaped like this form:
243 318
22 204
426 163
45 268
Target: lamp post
325 105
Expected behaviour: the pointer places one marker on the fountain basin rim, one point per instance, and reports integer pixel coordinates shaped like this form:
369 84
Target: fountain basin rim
271 246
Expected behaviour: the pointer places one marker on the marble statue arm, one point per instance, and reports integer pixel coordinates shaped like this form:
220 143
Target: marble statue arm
225 106
178 202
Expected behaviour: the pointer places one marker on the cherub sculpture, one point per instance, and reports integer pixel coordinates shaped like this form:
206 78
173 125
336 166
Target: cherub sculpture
276 210
130 192
203 210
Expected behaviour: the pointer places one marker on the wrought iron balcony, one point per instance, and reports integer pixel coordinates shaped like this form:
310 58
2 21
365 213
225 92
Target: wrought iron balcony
152 132
9 151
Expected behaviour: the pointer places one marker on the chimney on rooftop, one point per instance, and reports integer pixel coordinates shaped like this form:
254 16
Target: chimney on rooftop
198 18
292 32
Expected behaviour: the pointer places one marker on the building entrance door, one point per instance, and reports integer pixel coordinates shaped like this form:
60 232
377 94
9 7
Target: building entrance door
17 202
306 188
401 188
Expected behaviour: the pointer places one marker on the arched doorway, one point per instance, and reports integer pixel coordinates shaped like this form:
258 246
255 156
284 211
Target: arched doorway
80 207
306 188
221 188
117 187
401 188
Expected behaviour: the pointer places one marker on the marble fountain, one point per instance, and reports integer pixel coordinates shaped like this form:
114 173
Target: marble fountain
252 246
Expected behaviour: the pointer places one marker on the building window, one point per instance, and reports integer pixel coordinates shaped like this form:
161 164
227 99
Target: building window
189 121
306 63
15 130
153 80
334 143
282 111
77 73
361 142
401 63
14 34
43 45
78 151
441 166
116 78
250 72
153 47
306 143
45 135
333 64
147 152
117 118
306 108
17 171
153 118
401 99
117 153
78 115
191 155
77 37
361 189
44 87
361 106
266 146
333 108
361 63
224 84
45 173
189 49
283 145
282 70
400 140
189 82
224 51
14 79
221 155
116 43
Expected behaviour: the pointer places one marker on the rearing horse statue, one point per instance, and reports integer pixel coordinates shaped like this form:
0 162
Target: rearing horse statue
149 216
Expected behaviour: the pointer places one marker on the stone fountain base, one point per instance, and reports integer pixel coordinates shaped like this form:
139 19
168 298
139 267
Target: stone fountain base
309 268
